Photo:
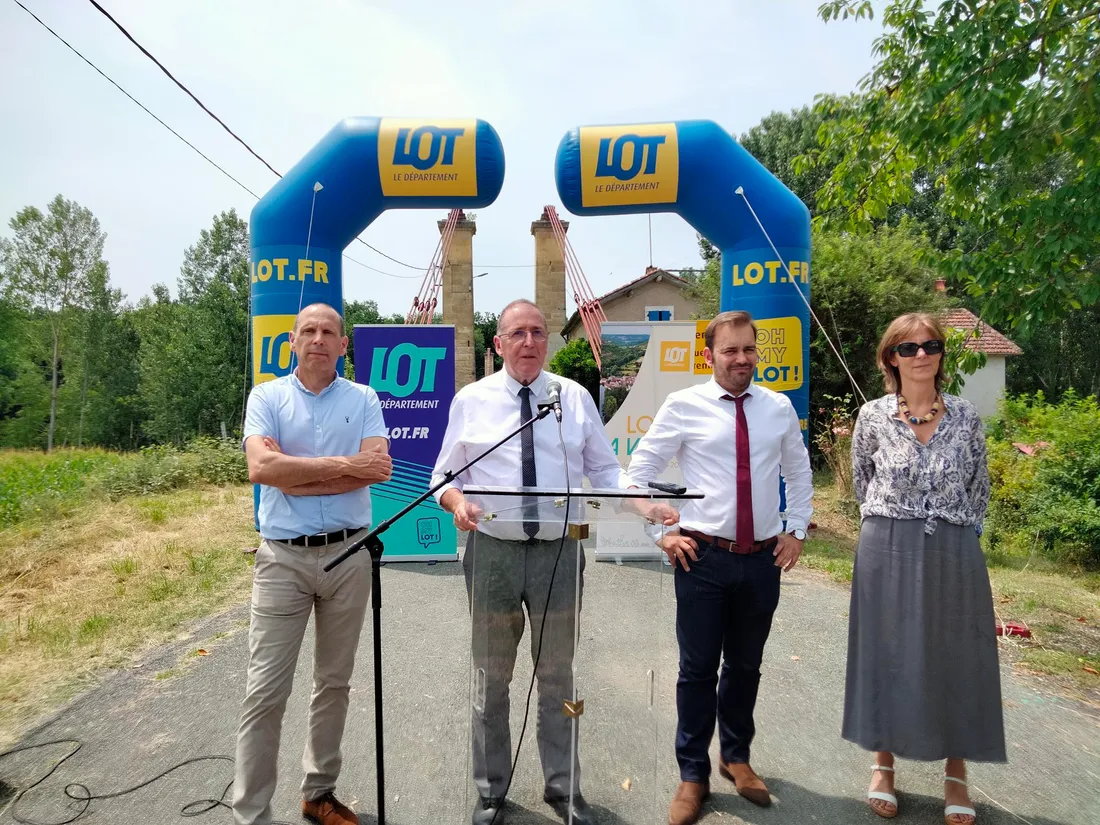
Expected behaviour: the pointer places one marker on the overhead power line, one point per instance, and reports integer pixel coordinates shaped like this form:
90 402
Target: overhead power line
189 144
224 126
221 122
189 93
134 99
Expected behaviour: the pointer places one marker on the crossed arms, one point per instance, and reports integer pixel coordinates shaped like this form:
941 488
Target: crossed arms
322 476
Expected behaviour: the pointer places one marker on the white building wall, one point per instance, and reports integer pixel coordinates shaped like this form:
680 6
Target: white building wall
985 388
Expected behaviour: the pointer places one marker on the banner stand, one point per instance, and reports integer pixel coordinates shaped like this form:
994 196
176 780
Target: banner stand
412 368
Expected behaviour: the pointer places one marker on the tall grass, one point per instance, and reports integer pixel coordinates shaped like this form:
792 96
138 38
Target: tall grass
42 486
32 483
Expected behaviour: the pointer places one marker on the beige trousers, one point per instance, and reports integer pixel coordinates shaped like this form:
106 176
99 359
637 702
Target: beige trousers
288 584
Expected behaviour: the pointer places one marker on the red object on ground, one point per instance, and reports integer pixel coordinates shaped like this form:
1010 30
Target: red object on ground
1014 629
1030 449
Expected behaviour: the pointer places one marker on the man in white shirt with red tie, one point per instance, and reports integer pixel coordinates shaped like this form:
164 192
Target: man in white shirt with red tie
524 562
733 439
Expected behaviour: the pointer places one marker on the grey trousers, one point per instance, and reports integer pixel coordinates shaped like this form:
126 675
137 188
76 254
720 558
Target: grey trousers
501 578
288 584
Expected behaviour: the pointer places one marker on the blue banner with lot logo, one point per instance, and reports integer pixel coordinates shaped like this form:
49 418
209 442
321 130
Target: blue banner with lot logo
412 368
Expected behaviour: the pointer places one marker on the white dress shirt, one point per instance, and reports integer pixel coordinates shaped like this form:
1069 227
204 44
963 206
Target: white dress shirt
484 412
696 427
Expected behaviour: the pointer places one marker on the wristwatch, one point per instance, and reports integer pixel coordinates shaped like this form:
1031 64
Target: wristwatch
798 534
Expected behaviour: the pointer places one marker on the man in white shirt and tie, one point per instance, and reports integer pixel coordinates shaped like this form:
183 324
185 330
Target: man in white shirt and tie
516 561
733 439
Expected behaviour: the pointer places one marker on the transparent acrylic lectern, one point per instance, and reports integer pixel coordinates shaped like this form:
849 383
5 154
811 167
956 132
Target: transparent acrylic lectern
603 635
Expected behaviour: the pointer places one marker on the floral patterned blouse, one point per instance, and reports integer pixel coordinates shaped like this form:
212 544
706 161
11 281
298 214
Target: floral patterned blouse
898 477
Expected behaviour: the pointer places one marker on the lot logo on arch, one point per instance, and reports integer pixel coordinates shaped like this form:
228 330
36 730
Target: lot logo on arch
427 158
636 164
271 354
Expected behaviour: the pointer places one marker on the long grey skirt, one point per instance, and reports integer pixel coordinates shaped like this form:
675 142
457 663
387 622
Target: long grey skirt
923 679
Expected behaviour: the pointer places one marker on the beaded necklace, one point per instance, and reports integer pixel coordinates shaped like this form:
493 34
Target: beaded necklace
904 408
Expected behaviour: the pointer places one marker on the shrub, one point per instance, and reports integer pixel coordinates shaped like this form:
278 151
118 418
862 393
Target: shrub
1050 499
834 441
220 461
161 468
155 469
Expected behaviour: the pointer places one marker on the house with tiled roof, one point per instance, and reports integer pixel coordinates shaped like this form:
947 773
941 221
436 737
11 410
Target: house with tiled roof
656 296
985 387
659 295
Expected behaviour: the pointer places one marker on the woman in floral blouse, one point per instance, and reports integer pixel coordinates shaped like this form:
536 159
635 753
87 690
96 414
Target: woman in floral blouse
922 680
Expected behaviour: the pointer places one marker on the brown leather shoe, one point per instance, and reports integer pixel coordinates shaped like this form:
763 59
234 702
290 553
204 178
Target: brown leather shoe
328 810
749 785
688 803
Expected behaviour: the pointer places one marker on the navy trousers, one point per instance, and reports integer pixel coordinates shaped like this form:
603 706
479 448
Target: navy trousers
724 608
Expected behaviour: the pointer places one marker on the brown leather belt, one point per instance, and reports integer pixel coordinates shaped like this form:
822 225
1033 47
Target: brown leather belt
732 546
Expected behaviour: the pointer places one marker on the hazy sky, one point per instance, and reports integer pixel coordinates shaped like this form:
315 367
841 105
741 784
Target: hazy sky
282 73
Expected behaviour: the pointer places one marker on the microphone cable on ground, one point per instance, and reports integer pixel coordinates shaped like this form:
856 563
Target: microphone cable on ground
82 796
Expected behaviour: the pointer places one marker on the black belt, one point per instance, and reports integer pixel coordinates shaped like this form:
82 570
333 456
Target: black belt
731 546
323 539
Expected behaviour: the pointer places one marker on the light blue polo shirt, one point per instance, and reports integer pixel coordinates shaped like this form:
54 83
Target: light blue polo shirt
331 423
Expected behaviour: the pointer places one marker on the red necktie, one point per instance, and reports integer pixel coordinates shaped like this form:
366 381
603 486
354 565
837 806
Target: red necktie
745 534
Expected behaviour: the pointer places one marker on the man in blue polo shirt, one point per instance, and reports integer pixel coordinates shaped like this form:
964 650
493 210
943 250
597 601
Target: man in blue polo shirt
314 442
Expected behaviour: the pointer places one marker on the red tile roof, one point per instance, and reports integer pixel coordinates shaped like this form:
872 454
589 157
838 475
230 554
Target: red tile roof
991 342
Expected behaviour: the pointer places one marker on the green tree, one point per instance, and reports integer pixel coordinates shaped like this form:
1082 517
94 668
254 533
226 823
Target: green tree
780 138
860 283
214 290
355 313
485 327
115 419
219 257
165 367
48 267
96 402
706 284
1000 98
362 313
575 361
10 355
13 355
1058 357
24 380
783 141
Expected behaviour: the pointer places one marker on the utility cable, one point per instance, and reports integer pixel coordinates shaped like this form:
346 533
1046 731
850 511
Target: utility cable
221 122
740 190
134 99
189 144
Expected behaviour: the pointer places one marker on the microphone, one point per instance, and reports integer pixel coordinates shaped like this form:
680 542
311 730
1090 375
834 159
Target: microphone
553 391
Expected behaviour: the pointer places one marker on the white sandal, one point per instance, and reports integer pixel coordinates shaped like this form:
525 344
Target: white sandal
882 796
957 810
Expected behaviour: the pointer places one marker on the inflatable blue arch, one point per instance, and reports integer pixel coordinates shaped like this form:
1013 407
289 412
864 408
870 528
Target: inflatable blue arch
361 168
697 170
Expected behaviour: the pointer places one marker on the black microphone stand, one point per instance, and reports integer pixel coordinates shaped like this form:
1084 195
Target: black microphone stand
373 542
